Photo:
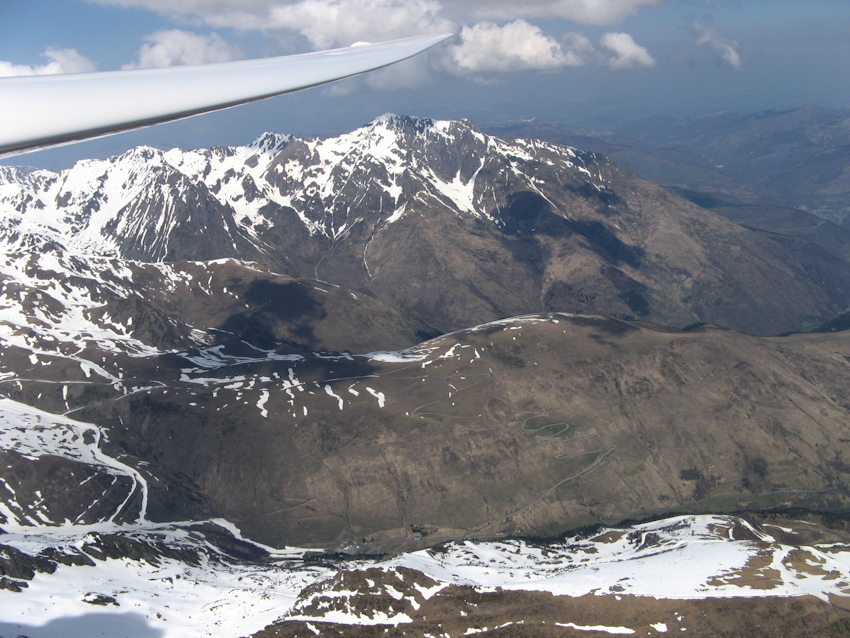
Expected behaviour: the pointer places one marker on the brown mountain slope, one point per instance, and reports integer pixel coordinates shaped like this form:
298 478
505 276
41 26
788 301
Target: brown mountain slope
532 425
485 228
232 300
625 249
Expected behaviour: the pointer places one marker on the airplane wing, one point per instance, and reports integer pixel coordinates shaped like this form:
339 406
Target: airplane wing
49 110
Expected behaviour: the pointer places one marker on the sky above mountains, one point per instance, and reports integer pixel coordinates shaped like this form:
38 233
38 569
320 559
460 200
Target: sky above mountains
588 63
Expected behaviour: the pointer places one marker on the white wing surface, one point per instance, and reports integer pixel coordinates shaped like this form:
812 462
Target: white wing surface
48 110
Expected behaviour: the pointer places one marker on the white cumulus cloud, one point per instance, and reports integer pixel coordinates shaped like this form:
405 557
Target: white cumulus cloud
176 47
627 54
722 45
596 12
327 23
515 46
499 35
332 23
60 61
578 46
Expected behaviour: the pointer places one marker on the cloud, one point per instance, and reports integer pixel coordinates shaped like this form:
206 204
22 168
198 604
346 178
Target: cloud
514 47
324 23
628 54
176 47
328 23
596 12
577 45
61 61
722 45
413 74
497 37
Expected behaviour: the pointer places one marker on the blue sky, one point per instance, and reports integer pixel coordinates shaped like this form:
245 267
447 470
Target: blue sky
588 63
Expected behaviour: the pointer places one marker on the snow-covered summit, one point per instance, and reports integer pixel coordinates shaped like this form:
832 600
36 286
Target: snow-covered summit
138 204
270 142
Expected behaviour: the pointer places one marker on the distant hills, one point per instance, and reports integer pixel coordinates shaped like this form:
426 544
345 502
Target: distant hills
780 171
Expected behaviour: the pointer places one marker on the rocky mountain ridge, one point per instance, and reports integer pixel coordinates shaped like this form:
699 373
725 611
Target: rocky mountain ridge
436 219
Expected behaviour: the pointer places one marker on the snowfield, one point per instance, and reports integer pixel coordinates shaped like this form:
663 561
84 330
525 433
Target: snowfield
170 598
687 557
683 557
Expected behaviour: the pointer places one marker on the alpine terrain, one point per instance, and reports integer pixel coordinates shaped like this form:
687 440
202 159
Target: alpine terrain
454 370
783 172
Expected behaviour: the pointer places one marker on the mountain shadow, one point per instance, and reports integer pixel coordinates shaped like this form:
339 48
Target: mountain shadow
275 304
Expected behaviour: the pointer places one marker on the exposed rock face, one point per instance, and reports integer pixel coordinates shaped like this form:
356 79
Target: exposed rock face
435 219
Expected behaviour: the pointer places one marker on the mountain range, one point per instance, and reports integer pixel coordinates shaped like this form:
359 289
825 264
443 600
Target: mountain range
437 220
407 335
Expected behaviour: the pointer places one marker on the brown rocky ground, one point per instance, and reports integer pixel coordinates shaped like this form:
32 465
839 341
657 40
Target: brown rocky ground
529 426
533 615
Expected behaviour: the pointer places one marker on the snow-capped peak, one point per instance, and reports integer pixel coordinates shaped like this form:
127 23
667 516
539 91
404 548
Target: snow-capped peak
401 122
138 204
270 143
